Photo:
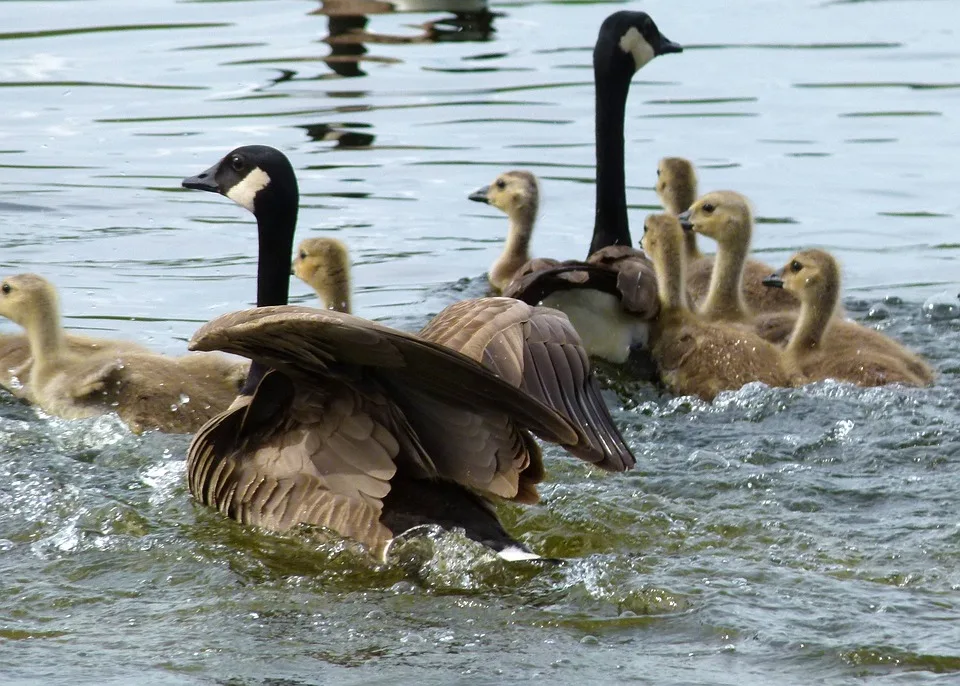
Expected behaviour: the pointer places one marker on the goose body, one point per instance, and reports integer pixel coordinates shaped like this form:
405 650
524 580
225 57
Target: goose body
15 360
729 286
823 346
694 356
367 431
147 391
599 304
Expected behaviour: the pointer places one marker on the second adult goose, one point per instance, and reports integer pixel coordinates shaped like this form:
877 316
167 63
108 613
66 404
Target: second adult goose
147 391
368 431
610 304
697 357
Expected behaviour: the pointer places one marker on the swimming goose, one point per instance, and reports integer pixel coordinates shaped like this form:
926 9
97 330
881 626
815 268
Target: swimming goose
825 347
736 292
603 307
516 194
367 431
698 357
147 391
15 360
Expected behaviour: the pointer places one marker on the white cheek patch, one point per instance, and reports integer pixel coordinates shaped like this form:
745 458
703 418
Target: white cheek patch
246 191
634 43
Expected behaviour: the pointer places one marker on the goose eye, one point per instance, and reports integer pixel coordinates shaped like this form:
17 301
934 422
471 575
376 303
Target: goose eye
5 288
303 255
501 184
236 163
795 266
708 208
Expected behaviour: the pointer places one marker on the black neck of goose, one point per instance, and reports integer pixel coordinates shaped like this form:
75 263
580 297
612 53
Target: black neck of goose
610 224
275 248
275 226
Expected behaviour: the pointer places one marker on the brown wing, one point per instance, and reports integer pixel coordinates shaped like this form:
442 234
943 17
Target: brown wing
290 455
303 343
537 350
626 273
636 278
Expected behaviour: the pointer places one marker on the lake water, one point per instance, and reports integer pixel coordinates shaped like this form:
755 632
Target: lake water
778 536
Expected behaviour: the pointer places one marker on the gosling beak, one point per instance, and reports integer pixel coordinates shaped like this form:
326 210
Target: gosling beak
684 218
204 181
480 195
667 46
775 280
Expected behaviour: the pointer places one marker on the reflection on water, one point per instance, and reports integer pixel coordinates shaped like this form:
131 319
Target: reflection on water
347 24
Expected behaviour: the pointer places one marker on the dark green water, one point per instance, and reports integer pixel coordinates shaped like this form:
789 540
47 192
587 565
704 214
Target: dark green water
777 536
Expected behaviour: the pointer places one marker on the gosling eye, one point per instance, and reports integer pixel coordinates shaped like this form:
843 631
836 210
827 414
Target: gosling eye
708 208
795 266
5 288
644 229
303 255
236 162
658 172
501 184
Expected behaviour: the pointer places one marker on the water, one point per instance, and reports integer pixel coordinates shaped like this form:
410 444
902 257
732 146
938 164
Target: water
789 535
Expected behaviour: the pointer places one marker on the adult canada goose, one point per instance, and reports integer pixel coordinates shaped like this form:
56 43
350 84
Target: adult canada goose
324 265
367 431
602 306
697 357
825 347
736 292
146 390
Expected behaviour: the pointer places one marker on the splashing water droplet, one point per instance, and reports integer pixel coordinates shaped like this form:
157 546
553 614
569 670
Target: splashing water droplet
942 307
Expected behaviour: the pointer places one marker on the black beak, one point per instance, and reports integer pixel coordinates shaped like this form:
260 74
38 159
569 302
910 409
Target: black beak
204 181
775 280
684 218
480 195
667 46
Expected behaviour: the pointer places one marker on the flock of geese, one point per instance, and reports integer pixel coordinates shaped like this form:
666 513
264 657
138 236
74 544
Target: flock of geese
335 421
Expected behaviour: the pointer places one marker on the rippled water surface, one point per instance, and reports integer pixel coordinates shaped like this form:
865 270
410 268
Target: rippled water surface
777 536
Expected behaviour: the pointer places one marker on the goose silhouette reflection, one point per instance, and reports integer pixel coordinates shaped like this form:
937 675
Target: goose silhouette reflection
349 34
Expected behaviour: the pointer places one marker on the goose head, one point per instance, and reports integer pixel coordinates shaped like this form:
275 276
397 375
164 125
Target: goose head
724 216
26 297
256 177
676 184
516 193
324 264
662 240
812 275
628 41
